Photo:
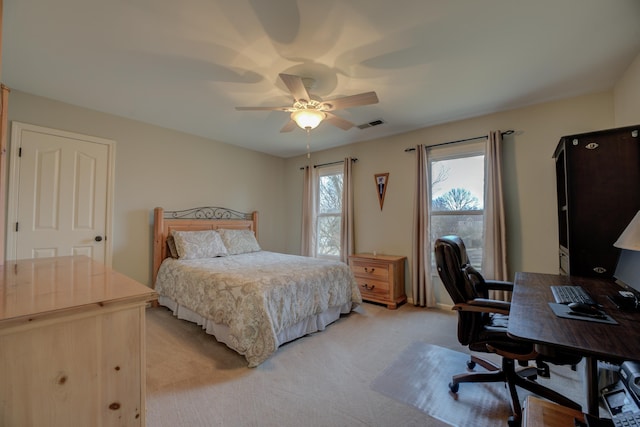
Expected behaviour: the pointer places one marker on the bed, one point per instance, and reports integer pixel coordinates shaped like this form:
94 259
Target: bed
250 299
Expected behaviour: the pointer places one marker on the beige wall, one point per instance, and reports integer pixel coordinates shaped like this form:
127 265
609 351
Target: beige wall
154 166
627 96
160 167
529 182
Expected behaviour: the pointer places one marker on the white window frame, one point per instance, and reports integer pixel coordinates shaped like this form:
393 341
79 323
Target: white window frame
337 169
451 152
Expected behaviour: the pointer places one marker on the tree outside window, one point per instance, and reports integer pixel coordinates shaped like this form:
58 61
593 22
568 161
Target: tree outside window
457 201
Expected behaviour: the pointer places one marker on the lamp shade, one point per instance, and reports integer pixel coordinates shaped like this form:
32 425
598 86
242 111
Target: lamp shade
630 237
308 118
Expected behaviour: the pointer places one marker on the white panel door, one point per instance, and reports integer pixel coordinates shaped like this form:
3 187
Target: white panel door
61 194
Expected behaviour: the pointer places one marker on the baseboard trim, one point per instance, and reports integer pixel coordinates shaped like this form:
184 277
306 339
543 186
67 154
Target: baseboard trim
439 305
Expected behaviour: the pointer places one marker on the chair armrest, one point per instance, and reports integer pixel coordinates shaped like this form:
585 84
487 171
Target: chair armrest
492 303
483 305
504 305
499 285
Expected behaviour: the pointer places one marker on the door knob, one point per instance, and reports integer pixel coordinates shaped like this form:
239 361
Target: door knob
98 239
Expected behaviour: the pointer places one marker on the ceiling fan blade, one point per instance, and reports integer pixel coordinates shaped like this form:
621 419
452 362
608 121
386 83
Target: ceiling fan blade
263 108
296 87
351 101
338 121
291 125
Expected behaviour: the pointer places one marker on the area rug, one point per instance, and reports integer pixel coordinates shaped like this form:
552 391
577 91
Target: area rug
420 377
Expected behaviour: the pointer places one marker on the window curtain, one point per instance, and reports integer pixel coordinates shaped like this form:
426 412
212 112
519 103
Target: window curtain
308 240
494 264
421 283
346 222
4 103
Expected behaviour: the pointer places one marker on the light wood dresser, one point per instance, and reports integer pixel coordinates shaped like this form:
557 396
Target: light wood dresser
380 278
72 344
542 413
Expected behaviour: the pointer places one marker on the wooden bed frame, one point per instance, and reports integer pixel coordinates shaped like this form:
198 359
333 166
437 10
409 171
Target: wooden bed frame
240 312
195 219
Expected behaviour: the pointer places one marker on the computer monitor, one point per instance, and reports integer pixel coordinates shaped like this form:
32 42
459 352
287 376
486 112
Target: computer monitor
628 269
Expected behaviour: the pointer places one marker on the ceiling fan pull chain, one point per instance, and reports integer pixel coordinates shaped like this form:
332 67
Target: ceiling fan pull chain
308 145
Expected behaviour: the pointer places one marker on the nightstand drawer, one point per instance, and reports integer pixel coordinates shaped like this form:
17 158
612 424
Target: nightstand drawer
372 287
371 270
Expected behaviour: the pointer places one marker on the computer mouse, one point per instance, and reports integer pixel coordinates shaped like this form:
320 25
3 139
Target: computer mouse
583 308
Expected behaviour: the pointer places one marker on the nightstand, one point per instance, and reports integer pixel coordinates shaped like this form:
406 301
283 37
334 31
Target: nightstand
380 278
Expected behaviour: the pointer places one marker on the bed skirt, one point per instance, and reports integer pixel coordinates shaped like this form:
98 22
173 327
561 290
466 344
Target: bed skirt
307 326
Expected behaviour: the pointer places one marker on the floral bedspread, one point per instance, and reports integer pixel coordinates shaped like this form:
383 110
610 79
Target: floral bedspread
257 294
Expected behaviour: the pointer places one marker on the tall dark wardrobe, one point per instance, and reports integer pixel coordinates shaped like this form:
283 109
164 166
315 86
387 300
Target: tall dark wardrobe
598 186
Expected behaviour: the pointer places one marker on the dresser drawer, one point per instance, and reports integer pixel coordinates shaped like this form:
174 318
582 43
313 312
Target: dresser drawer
371 270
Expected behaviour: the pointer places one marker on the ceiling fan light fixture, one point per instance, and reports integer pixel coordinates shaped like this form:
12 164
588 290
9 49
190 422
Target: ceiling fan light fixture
308 118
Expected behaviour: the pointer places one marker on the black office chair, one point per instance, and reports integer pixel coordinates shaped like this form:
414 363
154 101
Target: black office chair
482 326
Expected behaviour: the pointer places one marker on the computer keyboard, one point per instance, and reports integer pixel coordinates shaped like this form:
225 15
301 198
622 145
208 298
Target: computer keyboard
568 294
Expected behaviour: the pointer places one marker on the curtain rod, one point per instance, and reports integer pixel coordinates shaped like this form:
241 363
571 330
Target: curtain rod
330 163
507 132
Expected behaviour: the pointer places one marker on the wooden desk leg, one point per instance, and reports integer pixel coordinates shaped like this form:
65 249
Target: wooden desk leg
592 385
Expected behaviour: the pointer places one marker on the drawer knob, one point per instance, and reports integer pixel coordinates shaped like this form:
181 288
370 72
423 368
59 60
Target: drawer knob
369 270
367 287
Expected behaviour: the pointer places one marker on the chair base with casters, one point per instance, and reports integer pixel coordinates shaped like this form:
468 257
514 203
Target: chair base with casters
495 373
507 373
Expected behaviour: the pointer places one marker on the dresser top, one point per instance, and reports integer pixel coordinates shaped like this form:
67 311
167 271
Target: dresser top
40 286
379 257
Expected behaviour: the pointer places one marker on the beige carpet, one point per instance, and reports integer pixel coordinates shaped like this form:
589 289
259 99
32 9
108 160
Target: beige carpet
320 380
420 376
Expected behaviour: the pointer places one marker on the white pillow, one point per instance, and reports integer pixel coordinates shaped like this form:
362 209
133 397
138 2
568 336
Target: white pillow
239 241
198 244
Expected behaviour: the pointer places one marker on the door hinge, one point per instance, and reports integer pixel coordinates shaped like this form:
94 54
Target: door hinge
20 152
17 226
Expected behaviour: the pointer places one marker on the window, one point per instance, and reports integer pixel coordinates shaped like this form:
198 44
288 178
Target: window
457 196
329 211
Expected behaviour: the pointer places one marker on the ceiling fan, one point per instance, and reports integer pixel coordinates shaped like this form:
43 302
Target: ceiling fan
308 111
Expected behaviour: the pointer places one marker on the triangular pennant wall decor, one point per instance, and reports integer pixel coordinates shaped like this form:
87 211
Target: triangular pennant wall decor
382 179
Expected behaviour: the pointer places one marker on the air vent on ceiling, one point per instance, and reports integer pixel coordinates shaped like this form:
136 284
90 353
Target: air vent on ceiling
371 124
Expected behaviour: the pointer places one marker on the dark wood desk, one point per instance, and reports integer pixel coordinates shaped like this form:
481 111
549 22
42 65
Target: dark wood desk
531 319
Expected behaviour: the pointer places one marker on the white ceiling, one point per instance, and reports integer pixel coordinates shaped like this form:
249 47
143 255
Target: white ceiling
185 64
